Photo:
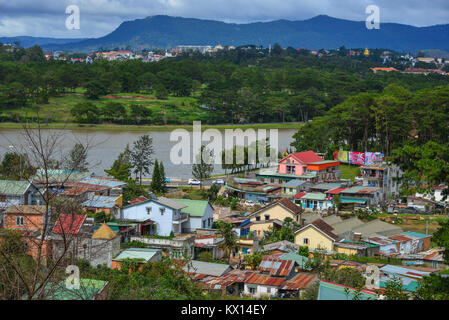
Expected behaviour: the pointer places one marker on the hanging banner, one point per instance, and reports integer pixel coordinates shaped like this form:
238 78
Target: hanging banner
372 157
341 156
356 158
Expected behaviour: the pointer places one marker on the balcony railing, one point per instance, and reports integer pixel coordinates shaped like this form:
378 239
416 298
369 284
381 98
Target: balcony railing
182 216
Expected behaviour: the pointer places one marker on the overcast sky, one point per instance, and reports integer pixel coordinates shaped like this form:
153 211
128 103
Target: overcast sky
46 18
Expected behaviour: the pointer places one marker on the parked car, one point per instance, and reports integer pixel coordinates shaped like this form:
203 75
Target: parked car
194 182
218 181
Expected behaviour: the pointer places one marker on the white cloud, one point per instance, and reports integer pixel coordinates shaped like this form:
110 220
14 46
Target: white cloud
99 17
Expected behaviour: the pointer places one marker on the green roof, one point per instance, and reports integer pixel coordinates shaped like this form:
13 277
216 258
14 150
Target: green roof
137 253
194 208
333 291
353 200
300 260
87 290
323 162
13 187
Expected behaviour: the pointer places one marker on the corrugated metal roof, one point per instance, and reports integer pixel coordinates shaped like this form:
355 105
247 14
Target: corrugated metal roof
276 267
300 281
333 291
403 271
235 276
11 187
100 202
208 268
137 253
314 196
263 279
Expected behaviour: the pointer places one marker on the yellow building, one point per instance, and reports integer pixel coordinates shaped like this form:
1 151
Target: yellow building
316 235
366 53
244 247
273 215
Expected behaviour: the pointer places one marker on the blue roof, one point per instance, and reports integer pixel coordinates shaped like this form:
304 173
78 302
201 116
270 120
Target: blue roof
100 202
294 183
333 291
417 234
103 182
402 271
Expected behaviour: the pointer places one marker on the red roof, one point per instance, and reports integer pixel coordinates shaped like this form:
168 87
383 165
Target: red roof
69 223
300 281
138 200
335 191
300 195
307 157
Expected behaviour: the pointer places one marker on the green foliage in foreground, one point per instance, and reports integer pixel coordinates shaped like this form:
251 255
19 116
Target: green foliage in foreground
162 280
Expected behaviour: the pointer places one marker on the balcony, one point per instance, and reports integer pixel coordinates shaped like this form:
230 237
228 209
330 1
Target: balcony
183 217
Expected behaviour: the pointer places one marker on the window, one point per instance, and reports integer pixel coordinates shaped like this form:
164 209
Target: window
148 210
306 241
20 221
162 210
252 290
268 290
2 198
267 217
257 218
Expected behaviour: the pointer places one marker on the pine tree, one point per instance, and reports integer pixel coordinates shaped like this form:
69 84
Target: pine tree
155 180
163 183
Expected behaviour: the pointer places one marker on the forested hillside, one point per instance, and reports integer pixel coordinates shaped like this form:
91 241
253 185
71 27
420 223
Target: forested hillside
238 86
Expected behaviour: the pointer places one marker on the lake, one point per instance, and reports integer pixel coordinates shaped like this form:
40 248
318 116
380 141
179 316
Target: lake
106 146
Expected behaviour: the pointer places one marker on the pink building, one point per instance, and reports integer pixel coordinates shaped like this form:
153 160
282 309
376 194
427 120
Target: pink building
296 163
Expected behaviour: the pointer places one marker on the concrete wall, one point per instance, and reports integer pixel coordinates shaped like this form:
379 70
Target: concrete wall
260 290
315 239
163 222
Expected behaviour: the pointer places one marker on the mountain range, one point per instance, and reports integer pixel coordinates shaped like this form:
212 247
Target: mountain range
319 32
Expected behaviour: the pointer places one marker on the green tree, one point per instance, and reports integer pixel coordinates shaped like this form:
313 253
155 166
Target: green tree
155 180
141 156
162 178
441 238
433 287
304 251
121 168
85 112
225 231
394 290
77 159
16 166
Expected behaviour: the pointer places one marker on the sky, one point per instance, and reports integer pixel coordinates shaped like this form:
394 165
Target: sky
47 18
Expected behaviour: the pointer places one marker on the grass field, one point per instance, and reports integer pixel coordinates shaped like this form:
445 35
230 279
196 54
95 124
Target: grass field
349 172
169 114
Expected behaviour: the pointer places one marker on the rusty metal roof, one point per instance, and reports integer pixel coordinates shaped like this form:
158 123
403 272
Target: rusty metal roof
300 281
264 279
275 266
228 279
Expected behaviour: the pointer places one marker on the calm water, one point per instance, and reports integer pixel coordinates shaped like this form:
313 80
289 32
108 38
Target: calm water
107 145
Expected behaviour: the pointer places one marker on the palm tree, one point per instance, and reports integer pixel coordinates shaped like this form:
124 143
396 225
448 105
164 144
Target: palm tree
229 237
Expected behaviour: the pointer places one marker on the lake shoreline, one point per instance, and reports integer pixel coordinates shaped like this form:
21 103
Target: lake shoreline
111 127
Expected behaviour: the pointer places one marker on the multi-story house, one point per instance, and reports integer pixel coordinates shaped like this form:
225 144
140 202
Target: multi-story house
383 176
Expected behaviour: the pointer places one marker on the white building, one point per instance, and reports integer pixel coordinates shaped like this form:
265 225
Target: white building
170 215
